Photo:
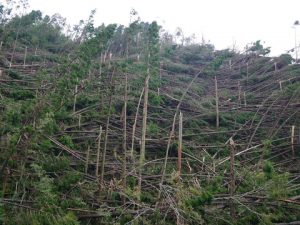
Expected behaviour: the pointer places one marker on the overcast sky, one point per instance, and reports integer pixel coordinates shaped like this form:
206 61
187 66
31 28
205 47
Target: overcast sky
222 22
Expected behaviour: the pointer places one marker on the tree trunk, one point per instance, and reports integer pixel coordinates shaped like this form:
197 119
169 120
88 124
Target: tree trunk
135 122
179 145
144 130
106 134
87 159
98 153
232 180
125 137
217 103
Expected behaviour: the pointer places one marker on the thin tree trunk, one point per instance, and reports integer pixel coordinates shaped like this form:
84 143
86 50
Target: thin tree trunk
13 54
100 67
217 103
135 122
144 130
247 72
75 97
292 141
98 153
240 93
87 159
79 121
232 180
125 136
280 85
179 145
25 55
106 134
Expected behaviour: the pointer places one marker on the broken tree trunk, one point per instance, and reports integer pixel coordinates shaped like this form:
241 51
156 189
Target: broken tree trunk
144 130
106 133
25 55
245 100
134 124
240 93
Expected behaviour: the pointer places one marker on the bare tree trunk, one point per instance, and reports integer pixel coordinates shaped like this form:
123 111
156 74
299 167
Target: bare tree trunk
25 55
98 153
106 134
100 69
240 93
292 140
160 76
232 180
135 122
280 85
79 121
75 97
87 159
144 130
217 103
125 136
179 145
13 54
245 100
247 71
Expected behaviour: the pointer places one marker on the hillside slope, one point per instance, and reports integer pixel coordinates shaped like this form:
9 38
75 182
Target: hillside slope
76 120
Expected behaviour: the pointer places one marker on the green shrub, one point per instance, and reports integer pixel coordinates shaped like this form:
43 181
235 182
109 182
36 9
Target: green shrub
22 95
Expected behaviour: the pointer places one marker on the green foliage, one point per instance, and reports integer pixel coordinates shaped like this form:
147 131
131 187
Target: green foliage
268 169
197 202
67 141
14 74
43 218
69 179
22 95
37 30
284 60
51 181
45 145
55 164
155 99
290 89
267 147
258 49
13 117
153 128
48 124
278 186
196 54
177 67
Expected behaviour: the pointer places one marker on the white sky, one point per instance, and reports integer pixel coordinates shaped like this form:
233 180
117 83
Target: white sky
223 22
